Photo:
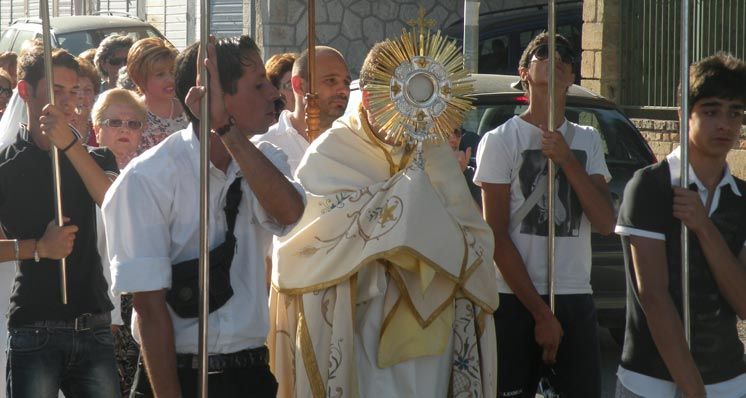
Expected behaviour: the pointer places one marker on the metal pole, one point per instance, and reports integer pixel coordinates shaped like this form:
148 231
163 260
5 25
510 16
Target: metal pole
56 177
204 201
684 183
550 163
471 36
312 98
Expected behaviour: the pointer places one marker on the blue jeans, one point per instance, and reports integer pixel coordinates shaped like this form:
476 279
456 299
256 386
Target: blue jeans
42 361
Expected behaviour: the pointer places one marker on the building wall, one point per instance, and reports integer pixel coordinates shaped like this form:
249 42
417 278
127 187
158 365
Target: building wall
663 137
353 26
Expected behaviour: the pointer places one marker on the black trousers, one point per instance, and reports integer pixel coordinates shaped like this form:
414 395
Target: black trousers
577 372
253 382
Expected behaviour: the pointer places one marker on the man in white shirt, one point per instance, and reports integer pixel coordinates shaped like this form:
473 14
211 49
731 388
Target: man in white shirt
333 87
152 229
511 166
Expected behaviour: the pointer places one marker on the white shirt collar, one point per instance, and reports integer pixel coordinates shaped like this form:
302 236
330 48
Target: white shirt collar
189 135
674 162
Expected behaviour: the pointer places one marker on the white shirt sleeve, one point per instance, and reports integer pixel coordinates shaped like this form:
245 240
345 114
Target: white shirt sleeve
136 220
116 313
279 160
494 159
596 156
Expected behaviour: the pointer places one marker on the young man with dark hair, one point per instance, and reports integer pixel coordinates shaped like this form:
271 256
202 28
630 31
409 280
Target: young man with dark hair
511 169
54 346
152 230
656 361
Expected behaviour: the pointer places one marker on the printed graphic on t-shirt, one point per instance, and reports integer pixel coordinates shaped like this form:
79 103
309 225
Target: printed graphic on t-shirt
567 209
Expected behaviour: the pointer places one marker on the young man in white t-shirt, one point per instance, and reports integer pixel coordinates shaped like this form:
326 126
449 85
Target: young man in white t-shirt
511 163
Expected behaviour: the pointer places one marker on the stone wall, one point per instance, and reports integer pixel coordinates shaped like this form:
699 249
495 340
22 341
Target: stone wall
353 26
663 137
600 71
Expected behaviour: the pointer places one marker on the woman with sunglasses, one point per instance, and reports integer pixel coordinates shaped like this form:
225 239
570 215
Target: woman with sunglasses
110 56
119 118
150 65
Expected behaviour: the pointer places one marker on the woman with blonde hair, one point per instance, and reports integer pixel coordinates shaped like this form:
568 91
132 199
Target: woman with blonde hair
119 118
150 65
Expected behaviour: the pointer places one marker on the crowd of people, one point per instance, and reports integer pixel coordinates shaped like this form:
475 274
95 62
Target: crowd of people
350 264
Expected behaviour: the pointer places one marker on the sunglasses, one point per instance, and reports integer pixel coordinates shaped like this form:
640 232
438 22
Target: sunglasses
117 61
6 91
566 54
116 123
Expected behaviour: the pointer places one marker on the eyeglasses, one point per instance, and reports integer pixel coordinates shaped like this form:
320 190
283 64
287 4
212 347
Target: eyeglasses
566 54
116 123
6 91
117 61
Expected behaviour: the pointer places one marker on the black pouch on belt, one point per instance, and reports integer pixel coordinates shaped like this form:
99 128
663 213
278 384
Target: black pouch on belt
184 295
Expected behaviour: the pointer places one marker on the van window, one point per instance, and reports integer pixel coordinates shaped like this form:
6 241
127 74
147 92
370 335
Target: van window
7 40
21 37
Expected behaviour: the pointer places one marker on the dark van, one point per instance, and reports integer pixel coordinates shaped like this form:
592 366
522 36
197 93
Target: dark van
504 34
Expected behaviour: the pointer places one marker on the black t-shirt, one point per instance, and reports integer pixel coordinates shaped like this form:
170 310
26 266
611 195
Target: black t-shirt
716 348
26 207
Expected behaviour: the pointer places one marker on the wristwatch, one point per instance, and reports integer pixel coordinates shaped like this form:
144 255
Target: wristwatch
226 127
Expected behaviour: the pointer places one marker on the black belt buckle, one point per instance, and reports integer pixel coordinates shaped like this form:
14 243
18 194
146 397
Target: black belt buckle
82 322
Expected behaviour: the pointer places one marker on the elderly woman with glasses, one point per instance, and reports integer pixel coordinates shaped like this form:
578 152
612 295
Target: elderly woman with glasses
119 118
150 65
110 56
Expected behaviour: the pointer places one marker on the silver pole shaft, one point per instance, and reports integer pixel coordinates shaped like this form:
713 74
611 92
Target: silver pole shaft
684 183
550 164
56 177
204 201
471 36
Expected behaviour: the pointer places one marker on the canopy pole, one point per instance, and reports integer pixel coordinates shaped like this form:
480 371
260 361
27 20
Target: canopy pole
684 172
550 164
312 98
204 201
56 176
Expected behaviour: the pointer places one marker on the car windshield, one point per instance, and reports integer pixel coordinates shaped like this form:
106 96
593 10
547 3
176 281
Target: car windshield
620 139
77 42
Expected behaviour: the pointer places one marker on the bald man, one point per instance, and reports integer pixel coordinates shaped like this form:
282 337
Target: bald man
333 87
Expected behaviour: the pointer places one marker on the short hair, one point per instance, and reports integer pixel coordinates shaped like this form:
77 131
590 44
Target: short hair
371 63
88 71
107 48
300 67
144 55
117 96
278 65
543 38
231 53
89 55
31 62
720 76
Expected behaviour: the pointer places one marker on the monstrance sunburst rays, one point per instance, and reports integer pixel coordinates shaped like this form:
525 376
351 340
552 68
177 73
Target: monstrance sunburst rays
419 88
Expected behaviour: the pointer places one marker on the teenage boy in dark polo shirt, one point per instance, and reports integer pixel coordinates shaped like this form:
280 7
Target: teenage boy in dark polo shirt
656 361
54 346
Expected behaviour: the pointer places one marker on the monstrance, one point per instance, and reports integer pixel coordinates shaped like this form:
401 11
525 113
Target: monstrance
419 90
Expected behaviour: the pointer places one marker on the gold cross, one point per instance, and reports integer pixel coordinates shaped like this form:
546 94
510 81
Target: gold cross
422 62
446 90
421 23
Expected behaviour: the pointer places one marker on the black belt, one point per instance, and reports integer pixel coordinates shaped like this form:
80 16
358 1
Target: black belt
80 323
216 362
